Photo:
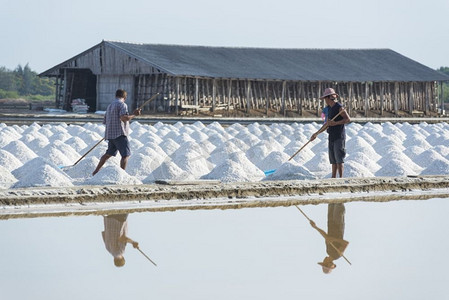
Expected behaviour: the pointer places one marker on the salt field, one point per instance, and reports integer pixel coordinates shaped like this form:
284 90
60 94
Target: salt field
43 155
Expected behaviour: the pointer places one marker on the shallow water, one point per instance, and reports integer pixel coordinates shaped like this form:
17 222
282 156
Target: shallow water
397 251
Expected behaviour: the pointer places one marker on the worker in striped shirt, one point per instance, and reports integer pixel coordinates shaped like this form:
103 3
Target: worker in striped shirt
117 120
115 237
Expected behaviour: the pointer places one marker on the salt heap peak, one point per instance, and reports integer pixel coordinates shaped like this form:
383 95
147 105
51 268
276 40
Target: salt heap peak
141 165
9 161
76 143
40 172
399 156
437 167
193 163
395 167
20 151
290 171
364 160
319 164
83 169
354 169
7 180
169 146
428 157
112 175
273 161
168 170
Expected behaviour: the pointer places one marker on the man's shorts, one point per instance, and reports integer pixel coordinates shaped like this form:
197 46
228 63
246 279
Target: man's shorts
120 144
337 151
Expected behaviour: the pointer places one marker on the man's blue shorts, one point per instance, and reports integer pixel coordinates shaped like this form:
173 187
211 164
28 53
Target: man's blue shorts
120 144
337 151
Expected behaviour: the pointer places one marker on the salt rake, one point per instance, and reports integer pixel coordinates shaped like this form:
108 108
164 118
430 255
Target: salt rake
140 107
268 172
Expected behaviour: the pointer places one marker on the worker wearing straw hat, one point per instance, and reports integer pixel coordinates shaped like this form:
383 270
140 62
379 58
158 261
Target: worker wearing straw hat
336 131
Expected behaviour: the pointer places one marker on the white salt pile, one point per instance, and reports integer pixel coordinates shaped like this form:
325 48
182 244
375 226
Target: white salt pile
168 170
20 151
32 155
82 169
7 180
9 161
40 172
112 175
290 171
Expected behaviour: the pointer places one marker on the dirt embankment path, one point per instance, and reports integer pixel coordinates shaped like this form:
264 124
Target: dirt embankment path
213 194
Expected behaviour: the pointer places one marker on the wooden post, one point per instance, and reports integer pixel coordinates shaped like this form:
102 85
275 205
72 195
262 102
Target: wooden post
229 93
177 95
350 98
301 97
284 83
214 93
366 98
248 96
382 98
197 91
411 98
267 99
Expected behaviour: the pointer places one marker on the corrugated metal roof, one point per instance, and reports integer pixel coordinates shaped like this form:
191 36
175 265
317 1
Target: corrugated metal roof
356 65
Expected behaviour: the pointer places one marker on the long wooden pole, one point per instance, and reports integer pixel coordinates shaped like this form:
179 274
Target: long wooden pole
319 131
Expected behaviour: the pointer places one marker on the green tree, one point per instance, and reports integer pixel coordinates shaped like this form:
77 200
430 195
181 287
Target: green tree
25 83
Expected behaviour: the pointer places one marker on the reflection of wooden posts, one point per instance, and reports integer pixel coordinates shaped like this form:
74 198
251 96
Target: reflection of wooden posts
333 246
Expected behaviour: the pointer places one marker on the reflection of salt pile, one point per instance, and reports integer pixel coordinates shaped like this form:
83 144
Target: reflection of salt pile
40 172
112 175
290 171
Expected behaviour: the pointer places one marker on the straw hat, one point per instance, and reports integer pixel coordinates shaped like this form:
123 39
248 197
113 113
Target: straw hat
328 92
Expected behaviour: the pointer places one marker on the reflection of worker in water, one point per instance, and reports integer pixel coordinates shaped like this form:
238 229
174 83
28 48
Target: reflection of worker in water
115 237
335 244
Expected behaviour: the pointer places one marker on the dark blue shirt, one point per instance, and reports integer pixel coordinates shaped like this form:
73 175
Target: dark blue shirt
338 131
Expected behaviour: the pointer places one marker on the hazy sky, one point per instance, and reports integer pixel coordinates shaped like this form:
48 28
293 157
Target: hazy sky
45 33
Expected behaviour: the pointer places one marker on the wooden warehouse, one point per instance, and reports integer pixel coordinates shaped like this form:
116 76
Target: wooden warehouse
284 81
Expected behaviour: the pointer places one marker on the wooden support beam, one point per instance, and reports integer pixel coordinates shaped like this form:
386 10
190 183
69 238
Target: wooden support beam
248 96
284 84
366 99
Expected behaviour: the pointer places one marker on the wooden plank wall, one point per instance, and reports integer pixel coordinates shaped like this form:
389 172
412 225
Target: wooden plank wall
283 96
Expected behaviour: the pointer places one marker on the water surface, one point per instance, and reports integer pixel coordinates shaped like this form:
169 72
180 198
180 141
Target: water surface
397 250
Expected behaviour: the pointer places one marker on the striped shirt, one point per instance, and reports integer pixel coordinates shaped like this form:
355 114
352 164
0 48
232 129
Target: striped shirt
114 126
114 227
